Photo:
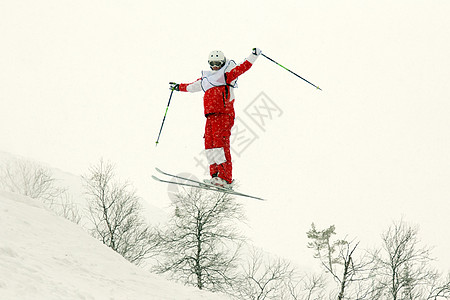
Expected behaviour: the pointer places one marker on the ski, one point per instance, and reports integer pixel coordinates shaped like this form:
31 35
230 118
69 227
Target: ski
181 183
202 185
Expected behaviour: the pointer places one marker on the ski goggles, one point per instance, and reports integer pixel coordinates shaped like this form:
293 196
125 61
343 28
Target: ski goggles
215 63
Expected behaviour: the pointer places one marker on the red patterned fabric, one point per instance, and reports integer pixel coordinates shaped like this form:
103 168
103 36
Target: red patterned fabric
217 135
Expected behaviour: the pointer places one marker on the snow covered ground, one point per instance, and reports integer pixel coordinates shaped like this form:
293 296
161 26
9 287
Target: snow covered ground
43 256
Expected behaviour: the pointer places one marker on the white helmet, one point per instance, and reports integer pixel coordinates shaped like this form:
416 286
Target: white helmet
216 56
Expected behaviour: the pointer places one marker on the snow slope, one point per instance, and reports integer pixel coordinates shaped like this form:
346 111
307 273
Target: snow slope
43 256
76 190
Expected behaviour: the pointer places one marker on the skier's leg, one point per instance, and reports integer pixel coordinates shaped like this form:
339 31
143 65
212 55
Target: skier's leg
217 145
209 144
225 169
222 139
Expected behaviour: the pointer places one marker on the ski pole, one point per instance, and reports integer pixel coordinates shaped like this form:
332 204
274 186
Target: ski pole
291 71
167 108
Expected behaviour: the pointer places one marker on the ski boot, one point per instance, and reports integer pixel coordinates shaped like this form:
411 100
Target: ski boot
219 182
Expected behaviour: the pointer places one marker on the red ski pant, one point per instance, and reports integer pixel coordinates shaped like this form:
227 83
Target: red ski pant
217 145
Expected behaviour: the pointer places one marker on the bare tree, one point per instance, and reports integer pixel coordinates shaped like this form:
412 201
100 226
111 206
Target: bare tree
338 259
265 278
310 287
438 288
201 243
404 266
65 207
30 179
35 181
115 212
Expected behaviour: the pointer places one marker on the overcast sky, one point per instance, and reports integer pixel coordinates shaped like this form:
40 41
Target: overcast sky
84 80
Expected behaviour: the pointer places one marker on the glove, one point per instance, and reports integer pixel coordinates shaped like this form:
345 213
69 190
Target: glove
174 86
256 51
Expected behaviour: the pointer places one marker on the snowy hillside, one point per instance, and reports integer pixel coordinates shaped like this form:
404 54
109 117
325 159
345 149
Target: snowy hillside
43 256
75 189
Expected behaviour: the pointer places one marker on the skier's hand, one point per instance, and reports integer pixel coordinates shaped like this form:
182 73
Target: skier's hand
174 86
256 51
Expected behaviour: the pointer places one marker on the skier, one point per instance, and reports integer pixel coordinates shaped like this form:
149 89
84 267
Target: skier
218 102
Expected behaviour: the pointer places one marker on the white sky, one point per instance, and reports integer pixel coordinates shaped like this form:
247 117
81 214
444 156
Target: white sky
81 80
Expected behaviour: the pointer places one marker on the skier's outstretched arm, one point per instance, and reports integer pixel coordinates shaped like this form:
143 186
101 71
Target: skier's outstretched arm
193 87
244 66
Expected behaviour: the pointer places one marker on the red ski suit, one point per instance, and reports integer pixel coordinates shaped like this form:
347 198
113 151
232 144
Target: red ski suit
218 102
